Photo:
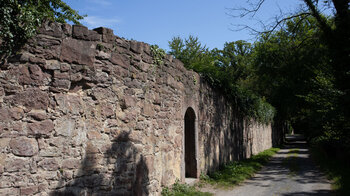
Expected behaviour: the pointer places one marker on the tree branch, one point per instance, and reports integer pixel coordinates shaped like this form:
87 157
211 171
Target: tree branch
322 21
245 11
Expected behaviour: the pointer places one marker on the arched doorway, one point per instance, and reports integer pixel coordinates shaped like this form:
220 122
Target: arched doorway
190 144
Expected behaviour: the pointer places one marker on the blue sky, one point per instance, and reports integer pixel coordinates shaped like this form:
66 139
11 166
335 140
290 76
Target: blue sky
157 21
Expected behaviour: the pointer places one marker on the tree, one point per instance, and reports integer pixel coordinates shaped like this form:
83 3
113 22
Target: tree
229 70
234 58
293 72
195 56
190 51
334 35
20 19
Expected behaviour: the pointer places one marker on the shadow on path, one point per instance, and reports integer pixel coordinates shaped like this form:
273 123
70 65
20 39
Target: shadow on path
290 172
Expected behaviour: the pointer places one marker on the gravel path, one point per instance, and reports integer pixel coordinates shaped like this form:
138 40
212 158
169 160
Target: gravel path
290 172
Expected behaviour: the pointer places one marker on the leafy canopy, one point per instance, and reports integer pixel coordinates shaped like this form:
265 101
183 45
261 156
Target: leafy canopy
228 69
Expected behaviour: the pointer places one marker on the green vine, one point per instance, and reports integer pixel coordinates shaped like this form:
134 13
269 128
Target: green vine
158 55
194 79
20 20
101 47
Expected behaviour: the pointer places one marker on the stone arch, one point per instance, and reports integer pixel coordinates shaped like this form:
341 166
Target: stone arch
191 167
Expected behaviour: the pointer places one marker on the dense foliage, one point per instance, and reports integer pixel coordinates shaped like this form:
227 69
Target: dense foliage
20 19
304 68
229 69
291 66
300 74
301 68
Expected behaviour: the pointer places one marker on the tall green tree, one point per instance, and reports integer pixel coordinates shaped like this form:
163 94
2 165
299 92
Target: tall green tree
19 20
294 70
334 34
228 69
234 58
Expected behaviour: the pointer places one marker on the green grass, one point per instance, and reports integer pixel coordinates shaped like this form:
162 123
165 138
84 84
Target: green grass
336 170
182 190
236 172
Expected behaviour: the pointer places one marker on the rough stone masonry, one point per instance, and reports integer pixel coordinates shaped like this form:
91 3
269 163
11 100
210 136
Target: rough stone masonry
84 112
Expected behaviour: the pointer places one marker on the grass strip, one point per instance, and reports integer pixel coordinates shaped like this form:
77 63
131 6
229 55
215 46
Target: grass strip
236 172
183 189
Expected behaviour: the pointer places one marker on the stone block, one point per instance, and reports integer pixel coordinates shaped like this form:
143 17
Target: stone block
38 115
129 101
60 75
16 164
16 113
107 34
3 158
136 47
143 66
2 92
68 174
103 55
76 77
147 59
24 146
42 128
37 60
12 88
78 51
4 115
52 65
35 72
67 29
49 164
24 57
70 164
32 98
29 190
50 175
107 111
104 94
91 149
10 191
24 75
52 29
48 47
119 59
65 126
82 32
50 152
62 84
69 103
91 135
148 109
65 67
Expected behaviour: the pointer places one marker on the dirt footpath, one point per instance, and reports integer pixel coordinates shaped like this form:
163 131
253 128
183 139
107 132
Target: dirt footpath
290 172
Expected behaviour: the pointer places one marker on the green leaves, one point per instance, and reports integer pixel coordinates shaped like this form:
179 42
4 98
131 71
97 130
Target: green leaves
190 51
21 18
229 69
158 54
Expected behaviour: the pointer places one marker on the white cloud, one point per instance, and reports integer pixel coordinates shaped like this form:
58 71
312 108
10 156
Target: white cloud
96 21
101 2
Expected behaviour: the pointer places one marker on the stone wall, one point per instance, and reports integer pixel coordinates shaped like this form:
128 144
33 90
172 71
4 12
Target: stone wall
86 112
